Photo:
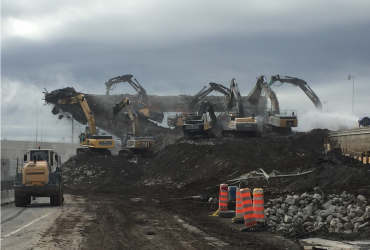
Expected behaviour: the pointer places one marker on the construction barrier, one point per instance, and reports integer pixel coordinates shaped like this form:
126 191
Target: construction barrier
239 216
222 204
258 205
249 219
232 193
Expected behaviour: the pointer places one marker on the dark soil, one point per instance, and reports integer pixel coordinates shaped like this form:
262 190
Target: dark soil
190 168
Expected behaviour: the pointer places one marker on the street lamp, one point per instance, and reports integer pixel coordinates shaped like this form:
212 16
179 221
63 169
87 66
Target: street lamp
353 91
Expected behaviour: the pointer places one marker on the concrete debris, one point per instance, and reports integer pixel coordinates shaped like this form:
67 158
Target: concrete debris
300 215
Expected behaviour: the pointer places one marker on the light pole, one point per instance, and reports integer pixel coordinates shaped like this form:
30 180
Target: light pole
353 92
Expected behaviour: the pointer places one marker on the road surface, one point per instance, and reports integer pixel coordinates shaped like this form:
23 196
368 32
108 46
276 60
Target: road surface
32 227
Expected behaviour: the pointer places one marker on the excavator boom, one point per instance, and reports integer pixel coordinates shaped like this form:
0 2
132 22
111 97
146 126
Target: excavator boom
302 84
142 107
85 107
90 140
235 95
205 91
125 103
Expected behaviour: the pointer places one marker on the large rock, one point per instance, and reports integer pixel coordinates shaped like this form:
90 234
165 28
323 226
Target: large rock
342 210
290 200
280 212
318 218
272 211
334 222
348 226
327 204
344 195
317 197
288 219
309 209
329 218
359 212
325 213
292 209
361 198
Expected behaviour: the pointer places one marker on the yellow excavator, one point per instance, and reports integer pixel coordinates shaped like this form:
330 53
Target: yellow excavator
274 120
132 143
238 124
179 119
142 108
90 141
198 124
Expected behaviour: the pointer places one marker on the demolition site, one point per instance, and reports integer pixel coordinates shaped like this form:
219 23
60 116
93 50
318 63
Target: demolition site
224 172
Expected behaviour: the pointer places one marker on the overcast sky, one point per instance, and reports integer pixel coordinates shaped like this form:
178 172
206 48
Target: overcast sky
177 47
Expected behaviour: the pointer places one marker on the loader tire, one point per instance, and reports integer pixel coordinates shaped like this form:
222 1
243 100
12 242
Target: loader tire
28 200
20 201
57 199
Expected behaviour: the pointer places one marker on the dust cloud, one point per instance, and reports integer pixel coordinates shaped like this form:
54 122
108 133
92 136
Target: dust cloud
324 120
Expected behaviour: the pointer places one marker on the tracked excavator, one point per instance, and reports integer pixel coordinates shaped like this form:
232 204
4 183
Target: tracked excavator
178 120
300 83
90 141
238 124
132 143
198 124
142 107
274 119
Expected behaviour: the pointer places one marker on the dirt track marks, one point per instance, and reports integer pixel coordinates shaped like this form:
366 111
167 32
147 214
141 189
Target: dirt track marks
68 230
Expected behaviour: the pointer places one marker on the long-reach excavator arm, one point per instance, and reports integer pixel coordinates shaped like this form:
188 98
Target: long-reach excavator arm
125 103
235 94
207 107
85 107
90 140
205 91
300 83
255 94
112 83
132 143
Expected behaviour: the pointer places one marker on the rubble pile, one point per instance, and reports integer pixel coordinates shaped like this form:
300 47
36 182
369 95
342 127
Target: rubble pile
84 172
296 216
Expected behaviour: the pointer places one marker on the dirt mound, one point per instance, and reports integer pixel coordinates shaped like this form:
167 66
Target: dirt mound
105 174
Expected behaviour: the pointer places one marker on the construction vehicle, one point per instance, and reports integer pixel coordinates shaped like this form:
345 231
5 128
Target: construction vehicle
90 141
198 124
178 120
274 120
132 143
300 83
364 121
142 107
238 124
41 176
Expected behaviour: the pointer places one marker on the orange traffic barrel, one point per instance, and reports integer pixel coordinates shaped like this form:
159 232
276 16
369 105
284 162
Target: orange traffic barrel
248 214
224 191
239 216
258 205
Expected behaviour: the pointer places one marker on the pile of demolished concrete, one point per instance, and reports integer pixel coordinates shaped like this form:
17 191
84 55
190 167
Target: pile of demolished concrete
296 216
84 172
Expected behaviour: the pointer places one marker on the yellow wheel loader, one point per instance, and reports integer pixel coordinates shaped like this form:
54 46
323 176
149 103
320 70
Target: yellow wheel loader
41 176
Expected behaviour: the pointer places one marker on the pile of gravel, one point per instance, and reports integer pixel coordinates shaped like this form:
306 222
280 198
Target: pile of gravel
306 213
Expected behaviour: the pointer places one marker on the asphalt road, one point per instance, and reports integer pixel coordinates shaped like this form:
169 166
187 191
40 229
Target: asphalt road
23 227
